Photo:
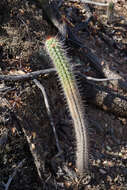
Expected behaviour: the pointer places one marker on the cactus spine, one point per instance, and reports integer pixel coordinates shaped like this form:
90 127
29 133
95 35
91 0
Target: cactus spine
58 56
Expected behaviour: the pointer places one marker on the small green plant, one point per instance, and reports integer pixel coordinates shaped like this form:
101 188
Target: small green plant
57 53
110 10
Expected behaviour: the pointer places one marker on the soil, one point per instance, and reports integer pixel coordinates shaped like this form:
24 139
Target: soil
23 30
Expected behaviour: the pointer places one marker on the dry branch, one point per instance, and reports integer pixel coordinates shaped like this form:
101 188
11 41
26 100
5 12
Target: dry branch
27 76
51 10
94 93
105 98
39 85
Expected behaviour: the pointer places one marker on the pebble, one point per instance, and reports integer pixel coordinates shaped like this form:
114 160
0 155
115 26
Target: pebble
3 139
102 171
108 148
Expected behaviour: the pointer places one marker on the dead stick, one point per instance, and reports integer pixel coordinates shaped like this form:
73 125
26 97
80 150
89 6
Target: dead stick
39 85
95 3
101 67
105 98
35 74
27 76
100 92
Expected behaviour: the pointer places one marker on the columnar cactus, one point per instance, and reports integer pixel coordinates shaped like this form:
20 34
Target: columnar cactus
61 62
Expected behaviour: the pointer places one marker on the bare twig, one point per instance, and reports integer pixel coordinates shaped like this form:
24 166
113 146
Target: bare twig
39 85
27 76
99 80
95 3
4 89
35 74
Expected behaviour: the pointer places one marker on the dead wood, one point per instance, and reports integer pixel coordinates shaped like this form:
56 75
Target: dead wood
33 134
40 86
101 96
26 76
36 136
100 66
35 123
50 9
105 98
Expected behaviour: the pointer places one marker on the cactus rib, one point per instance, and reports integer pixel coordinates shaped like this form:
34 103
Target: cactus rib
58 56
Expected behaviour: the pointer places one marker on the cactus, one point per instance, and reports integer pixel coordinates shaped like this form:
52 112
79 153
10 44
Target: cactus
61 62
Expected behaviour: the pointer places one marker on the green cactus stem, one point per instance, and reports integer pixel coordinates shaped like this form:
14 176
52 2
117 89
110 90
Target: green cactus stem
57 53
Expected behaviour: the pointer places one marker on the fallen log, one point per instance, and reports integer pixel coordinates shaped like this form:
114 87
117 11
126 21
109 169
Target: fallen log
105 98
